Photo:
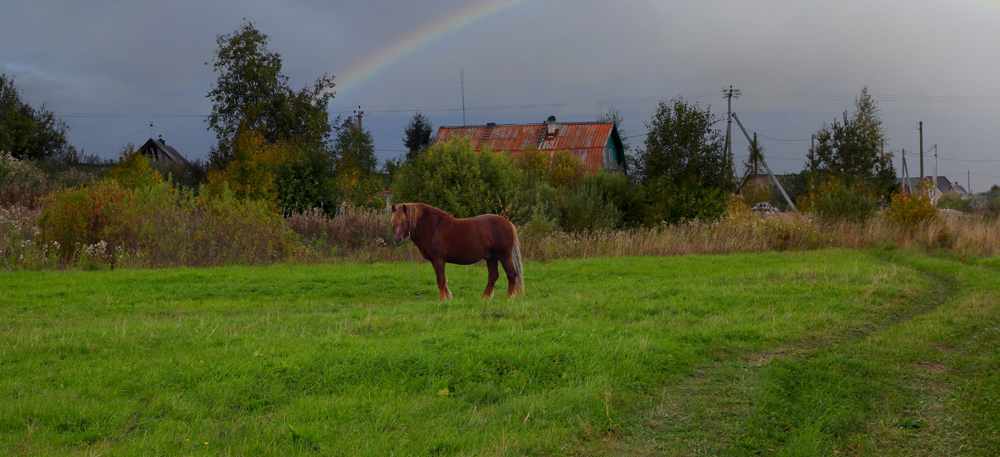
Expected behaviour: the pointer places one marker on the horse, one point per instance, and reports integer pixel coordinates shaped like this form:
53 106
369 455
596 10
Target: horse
444 239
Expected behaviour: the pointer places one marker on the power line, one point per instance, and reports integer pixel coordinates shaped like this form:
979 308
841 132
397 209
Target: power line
120 115
968 160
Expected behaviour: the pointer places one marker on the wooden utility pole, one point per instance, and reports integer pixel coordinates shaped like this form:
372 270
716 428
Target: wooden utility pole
920 127
729 95
360 114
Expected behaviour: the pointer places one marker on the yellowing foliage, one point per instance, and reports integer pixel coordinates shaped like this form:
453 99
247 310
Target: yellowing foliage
252 172
134 170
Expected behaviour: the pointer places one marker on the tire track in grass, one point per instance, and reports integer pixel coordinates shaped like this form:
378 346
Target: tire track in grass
807 398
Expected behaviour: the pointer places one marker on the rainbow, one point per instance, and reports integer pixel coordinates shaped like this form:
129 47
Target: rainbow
381 60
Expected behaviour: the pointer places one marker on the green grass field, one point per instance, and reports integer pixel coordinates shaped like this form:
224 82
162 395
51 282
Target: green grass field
800 353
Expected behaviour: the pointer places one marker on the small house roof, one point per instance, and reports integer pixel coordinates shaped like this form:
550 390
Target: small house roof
588 141
159 151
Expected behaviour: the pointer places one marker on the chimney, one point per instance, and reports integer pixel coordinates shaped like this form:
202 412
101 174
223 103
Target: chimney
551 121
161 140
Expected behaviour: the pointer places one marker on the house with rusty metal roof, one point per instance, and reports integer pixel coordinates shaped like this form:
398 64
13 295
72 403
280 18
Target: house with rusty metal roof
596 144
158 151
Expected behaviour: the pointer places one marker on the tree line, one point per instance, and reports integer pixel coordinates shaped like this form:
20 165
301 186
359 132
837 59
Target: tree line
278 144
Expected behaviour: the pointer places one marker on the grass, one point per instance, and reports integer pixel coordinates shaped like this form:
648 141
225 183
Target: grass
795 353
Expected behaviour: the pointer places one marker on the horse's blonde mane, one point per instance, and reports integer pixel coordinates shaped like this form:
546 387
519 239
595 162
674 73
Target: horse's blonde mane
413 212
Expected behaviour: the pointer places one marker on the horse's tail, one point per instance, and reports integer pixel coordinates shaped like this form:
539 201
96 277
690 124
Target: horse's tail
515 257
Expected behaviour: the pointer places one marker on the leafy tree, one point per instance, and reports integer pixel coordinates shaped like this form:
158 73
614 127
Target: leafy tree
28 133
417 135
354 147
454 177
356 164
252 95
852 153
683 166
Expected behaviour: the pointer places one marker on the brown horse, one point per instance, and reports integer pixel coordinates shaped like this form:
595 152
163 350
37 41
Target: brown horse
442 238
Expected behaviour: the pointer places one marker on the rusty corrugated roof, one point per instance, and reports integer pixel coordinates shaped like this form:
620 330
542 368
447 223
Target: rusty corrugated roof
586 140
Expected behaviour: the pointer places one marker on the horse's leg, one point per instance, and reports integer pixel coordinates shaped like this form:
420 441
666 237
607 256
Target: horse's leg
442 281
513 289
491 265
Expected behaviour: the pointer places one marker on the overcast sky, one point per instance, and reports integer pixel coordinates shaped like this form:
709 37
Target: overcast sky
110 68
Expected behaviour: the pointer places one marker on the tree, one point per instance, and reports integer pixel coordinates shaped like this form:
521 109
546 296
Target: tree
417 135
354 147
683 166
356 164
252 95
851 152
27 133
455 178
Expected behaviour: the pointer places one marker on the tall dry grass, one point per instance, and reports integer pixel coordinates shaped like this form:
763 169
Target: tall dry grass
353 234
158 228
743 231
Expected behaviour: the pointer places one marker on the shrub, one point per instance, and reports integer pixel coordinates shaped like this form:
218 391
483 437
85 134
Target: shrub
667 202
456 179
84 216
22 183
566 170
157 226
134 170
839 200
912 209
251 173
603 201
955 202
587 210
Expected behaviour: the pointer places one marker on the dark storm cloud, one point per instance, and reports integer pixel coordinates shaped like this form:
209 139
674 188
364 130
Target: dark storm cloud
799 65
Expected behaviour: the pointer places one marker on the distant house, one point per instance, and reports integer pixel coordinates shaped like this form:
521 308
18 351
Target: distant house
752 182
944 186
158 151
596 144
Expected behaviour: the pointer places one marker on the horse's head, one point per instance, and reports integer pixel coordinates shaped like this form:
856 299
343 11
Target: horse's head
404 218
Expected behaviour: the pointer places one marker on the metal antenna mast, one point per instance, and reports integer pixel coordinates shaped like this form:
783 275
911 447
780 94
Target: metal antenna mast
461 77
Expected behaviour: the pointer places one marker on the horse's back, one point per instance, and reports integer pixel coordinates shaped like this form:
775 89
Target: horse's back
475 238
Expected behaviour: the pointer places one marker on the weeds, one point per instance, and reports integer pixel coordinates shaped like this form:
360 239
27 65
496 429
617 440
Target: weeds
106 225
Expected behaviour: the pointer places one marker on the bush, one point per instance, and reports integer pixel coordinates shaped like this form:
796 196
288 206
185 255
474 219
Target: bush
84 216
667 202
22 183
252 172
156 226
134 170
588 211
912 209
604 201
837 200
955 202
456 179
